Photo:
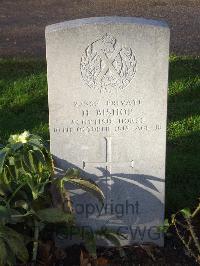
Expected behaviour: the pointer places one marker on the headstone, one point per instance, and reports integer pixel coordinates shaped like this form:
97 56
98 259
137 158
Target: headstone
107 83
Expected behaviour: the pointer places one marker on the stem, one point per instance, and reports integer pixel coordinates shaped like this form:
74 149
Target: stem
196 211
66 202
184 242
179 223
187 245
193 234
15 192
21 215
35 243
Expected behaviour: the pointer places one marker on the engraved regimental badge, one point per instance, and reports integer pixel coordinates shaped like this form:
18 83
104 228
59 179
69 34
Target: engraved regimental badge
107 66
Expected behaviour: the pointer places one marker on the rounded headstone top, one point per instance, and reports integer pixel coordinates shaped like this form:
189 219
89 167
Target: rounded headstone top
104 20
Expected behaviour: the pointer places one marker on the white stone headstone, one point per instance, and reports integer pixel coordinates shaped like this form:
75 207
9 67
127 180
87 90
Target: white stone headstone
107 83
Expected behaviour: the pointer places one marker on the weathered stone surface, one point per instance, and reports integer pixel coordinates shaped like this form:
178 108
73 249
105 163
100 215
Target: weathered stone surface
107 81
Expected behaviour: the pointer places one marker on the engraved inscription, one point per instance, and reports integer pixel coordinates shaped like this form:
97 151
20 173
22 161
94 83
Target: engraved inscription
107 66
107 116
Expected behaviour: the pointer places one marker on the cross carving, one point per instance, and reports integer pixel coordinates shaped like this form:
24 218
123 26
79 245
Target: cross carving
108 161
109 64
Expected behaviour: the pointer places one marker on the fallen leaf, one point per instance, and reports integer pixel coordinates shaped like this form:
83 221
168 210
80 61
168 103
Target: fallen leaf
85 259
101 261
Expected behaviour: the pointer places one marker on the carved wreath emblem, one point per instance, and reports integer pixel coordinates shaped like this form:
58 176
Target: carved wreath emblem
106 65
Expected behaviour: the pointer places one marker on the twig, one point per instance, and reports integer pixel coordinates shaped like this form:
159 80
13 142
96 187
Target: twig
35 243
183 241
193 234
196 211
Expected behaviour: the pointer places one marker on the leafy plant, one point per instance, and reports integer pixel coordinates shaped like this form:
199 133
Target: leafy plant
12 246
183 222
26 179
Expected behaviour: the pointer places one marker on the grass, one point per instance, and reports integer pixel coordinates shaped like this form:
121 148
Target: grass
23 105
183 134
23 98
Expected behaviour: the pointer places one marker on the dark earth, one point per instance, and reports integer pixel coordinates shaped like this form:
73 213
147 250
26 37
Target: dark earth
23 21
137 255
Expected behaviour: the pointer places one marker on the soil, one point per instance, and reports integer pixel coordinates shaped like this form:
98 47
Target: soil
137 255
22 22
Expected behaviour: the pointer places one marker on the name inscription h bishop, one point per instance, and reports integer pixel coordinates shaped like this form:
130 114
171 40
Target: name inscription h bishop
107 91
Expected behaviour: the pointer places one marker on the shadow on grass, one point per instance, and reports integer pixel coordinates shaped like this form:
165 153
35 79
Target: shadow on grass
182 172
11 69
182 68
180 110
184 88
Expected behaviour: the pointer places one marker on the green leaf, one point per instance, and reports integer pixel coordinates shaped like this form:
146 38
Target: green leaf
11 160
2 199
3 252
166 223
4 214
90 243
40 156
36 142
164 228
15 242
9 172
26 160
186 213
54 215
16 216
5 181
17 167
87 185
25 193
8 215
21 204
173 219
3 154
110 235
40 160
49 160
31 161
16 146
72 172
11 258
